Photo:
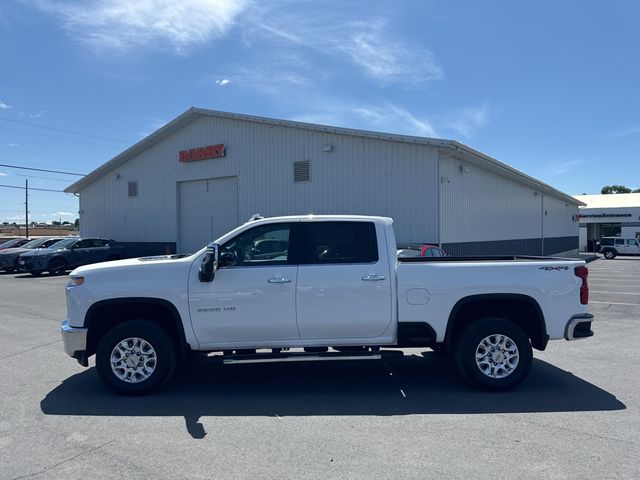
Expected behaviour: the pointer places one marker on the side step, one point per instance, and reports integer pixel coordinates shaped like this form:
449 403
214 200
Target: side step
307 357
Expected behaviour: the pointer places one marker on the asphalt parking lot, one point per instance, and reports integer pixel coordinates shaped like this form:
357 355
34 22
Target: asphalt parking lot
577 416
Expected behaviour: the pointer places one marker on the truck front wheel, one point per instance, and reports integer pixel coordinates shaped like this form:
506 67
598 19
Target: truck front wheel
609 254
494 354
136 357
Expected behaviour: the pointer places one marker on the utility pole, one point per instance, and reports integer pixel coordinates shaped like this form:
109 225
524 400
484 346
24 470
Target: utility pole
26 207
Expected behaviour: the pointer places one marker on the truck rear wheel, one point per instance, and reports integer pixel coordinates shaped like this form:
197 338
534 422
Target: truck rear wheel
494 354
609 254
136 357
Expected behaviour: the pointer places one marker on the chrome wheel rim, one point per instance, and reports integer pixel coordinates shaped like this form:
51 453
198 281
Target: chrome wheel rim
497 356
133 360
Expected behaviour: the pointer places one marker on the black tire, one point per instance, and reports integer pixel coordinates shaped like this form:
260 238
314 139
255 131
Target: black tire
36 273
57 266
506 374
156 337
610 254
10 269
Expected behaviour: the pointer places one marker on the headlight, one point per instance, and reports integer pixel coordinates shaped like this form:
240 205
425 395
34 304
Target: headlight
75 281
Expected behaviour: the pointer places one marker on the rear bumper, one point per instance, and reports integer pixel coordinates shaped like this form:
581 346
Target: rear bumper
578 327
75 342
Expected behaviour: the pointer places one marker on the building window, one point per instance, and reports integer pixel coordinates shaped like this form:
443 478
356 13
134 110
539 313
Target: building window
133 189
302 171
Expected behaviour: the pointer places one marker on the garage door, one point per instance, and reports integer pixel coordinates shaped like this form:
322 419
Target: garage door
208 209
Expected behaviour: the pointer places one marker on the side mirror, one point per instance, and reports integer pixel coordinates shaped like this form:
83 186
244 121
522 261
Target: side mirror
209 263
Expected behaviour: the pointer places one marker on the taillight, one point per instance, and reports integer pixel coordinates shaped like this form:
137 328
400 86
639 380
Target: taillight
583 273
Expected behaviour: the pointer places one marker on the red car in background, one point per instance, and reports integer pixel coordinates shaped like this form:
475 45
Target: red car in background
423 251
431 251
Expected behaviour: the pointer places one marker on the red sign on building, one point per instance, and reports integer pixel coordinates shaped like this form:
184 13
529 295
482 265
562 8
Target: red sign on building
202 153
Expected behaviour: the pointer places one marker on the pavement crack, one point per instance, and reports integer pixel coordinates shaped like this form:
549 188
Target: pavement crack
30 349
48 469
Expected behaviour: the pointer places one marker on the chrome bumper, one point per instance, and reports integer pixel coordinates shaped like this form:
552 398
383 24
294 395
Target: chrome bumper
578 327
74 339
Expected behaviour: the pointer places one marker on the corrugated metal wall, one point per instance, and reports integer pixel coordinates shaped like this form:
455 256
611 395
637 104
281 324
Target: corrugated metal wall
478 205
358 176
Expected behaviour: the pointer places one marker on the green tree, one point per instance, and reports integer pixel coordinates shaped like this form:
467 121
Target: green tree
607 189
77 223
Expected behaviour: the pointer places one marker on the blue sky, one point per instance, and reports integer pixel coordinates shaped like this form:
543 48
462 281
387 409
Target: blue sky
550 88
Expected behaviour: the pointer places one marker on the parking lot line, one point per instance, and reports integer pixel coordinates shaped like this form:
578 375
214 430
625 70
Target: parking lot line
615 303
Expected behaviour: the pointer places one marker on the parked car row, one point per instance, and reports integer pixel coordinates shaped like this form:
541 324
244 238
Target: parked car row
56 255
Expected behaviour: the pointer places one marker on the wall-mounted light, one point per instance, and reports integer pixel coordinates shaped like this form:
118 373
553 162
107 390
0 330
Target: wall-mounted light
464 169
327 147
116 176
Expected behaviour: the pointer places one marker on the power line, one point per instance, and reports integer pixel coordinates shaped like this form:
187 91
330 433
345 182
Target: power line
58 138
44 178
42 170
73 132
31 188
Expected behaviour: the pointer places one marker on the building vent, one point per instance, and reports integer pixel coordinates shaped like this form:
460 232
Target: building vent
133 189
302 171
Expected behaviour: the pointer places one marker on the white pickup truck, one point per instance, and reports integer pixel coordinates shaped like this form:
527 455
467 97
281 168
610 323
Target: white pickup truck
306 288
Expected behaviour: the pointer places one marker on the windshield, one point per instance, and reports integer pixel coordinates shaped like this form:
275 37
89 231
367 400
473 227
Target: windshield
35 243
64 243
10 243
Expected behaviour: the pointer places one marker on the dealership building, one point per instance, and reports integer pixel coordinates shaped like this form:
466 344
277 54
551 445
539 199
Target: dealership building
206 172
612 215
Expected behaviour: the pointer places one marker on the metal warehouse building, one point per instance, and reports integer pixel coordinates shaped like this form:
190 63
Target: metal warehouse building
206 172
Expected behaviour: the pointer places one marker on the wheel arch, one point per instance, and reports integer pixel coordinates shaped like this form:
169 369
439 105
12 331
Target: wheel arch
520 309
57 257
104 315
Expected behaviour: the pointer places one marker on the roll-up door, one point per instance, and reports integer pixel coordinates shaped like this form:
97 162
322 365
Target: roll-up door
208 209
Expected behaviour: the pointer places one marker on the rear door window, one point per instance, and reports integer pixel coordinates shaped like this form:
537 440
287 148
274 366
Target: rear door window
620 241
339 242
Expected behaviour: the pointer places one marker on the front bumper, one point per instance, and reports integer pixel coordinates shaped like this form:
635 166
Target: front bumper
578 327
32 264
8 261
75 342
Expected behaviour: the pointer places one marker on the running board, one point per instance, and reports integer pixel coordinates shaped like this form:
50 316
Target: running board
307 357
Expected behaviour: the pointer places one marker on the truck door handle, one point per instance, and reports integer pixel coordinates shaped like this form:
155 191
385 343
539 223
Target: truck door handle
373 278
279 280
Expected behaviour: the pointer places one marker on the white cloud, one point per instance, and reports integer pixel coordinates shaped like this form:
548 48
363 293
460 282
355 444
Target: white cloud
469 120
37 115
368 44
10 145
121 24
2 174
390 61
626 132
223 82
386 117
61 214
560 167
4 106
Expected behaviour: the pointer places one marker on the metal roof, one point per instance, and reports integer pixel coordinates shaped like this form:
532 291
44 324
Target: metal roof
612 200
469 154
